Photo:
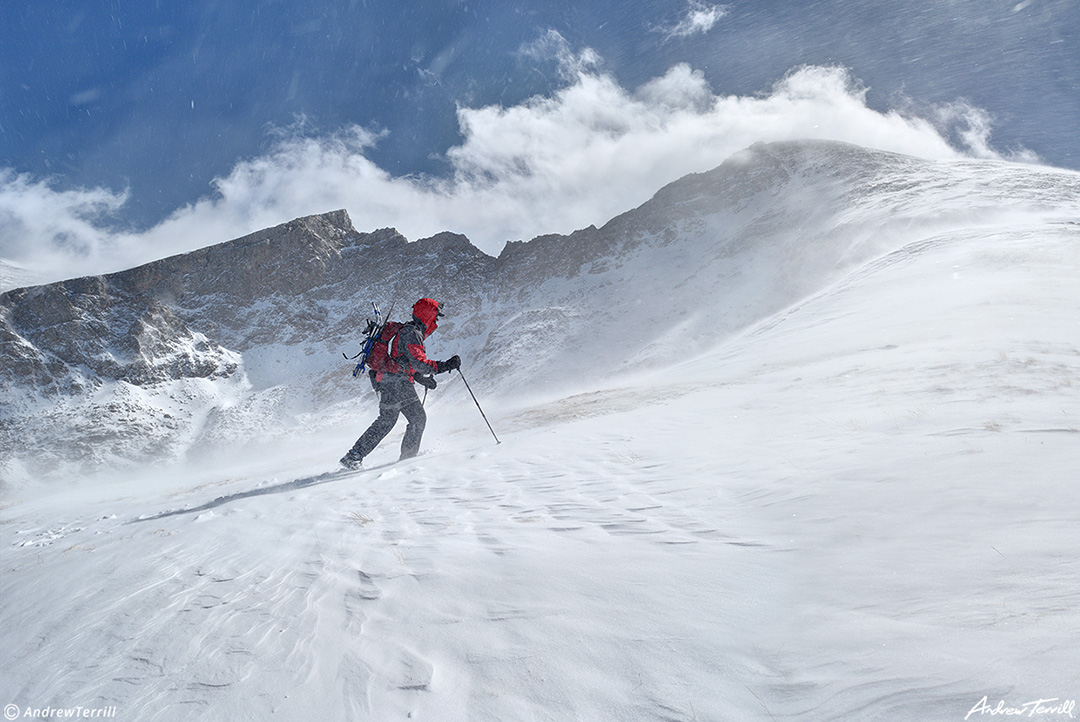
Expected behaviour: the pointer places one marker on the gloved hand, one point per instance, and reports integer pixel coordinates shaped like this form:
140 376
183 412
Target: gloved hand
454 362
427 382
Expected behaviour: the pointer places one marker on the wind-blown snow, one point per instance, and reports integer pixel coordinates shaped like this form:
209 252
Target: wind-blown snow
857 504
14 275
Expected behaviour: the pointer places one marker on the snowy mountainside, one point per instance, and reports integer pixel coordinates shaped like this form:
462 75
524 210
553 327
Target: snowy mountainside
716 252
240 343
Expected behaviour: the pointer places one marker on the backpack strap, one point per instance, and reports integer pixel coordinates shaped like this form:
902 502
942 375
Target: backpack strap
390 345
395 354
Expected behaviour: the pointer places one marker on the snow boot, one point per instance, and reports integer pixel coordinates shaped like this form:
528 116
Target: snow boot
351 462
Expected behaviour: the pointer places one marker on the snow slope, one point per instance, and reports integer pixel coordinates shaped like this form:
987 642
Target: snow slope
858 507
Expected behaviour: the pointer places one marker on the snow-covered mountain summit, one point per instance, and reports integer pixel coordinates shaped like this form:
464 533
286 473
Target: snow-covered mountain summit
241 340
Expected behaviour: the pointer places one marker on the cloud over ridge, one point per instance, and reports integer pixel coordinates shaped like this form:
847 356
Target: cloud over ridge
551 164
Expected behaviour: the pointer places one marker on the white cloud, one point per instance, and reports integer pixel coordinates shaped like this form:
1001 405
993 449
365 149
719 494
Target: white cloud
57 230
699 19
551 164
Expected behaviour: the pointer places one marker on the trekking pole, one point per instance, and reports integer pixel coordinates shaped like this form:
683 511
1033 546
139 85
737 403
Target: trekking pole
478 406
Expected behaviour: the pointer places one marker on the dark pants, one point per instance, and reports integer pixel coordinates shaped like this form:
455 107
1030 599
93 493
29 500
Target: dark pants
396 397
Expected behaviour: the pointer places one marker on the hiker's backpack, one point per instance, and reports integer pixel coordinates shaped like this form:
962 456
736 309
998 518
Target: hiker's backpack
379 360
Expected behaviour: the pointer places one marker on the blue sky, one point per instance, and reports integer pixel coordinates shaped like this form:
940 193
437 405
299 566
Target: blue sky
130 129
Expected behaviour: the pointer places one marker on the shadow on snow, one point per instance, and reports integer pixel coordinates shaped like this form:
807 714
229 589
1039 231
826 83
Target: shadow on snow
275 489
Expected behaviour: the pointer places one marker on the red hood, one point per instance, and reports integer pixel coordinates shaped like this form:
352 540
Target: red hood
426 310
